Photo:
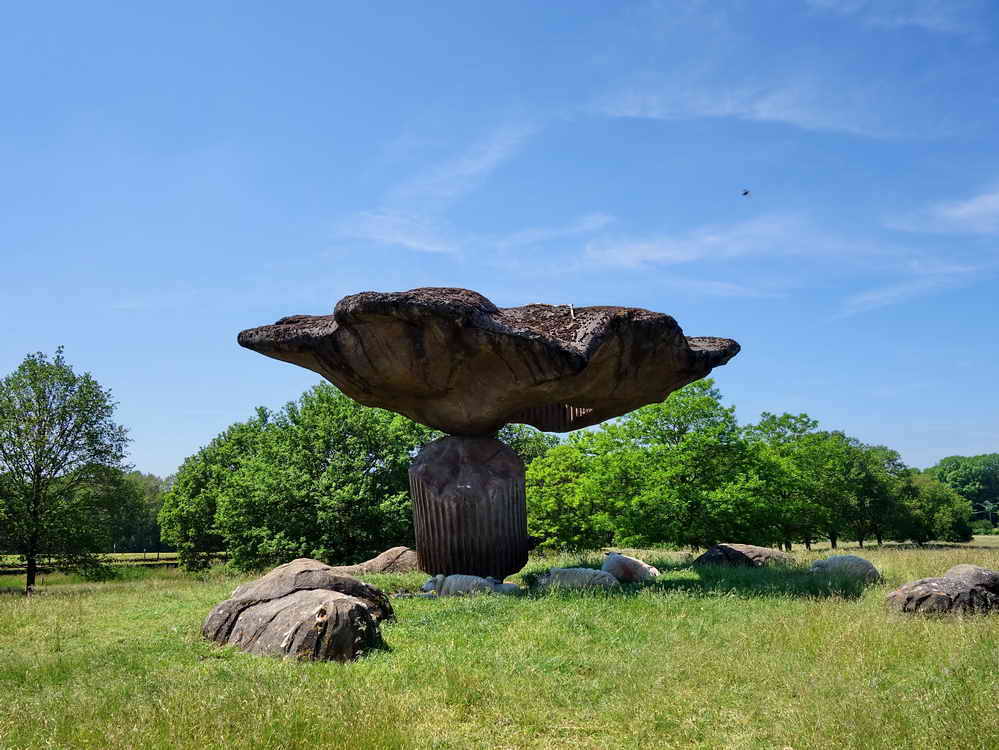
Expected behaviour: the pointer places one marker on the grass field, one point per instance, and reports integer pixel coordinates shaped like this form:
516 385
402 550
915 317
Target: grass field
748 659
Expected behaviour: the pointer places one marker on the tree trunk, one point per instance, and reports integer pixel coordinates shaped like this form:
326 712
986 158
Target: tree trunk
32 565
808 544
880 538
861 542
832 540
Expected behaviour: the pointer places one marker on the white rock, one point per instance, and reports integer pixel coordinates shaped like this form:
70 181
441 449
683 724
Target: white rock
506 588
576 578
850 565
628 569
458 584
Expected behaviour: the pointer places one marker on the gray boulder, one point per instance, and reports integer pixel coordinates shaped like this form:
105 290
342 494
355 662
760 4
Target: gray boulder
962 589
943 596
846 565
976 575
394 560
303 610
745 555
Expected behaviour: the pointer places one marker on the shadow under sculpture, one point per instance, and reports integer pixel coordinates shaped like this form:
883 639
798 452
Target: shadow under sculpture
452 360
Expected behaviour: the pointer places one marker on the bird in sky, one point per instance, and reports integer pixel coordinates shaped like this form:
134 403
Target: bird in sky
746 193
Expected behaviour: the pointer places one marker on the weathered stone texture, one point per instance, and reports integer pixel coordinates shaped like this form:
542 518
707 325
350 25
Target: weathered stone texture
469 507
450 359
746 555
301 610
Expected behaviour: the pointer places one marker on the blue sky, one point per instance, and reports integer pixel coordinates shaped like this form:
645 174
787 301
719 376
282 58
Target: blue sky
172 173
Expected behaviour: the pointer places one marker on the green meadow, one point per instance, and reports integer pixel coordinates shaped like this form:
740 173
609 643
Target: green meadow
771 658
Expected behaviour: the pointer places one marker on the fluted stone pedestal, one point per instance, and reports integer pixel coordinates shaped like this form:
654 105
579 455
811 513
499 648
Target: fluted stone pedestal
469 507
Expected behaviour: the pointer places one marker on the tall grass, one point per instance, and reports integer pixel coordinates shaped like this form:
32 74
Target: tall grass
710 658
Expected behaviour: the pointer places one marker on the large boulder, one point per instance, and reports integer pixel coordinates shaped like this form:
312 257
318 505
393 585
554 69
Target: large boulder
576 578
942 596
450 359
976 575
747 555
846 565
304 610
394 560
628 569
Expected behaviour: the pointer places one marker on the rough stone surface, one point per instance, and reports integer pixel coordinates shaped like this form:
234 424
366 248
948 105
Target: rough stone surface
944 595
577 578
748 555
301 610
394 560
469 507
450 359
847 565
628 569
459 585
976 575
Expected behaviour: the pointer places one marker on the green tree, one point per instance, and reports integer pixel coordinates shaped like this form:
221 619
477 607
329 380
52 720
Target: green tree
324 477
934 511
187 515
975 478
62 488
143 532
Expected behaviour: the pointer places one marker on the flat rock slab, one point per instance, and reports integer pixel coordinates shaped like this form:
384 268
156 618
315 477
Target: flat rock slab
394 560
746 555
846 565
302 610
943 596
449 358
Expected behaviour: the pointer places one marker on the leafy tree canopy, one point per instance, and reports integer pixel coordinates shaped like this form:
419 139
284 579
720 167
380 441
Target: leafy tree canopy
63 492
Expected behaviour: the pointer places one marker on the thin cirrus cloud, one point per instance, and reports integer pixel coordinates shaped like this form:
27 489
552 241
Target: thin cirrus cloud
808 105
584 225
414 232
976 215
410 213
444 183
763 236
942 16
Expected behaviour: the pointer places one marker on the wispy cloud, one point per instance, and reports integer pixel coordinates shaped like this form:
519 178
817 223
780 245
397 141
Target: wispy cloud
386 227
411 213
584 225
943 16
976 215
803 103
927 276
764 236
444 183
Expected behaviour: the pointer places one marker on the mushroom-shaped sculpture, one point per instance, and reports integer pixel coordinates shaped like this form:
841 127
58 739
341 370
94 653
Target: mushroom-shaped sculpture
451 359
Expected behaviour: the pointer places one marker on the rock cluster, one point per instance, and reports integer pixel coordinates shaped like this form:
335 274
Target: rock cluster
964 589
303 609
846 565
742 555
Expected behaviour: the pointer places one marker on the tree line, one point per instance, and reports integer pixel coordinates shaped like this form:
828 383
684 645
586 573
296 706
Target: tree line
684 472
326 477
